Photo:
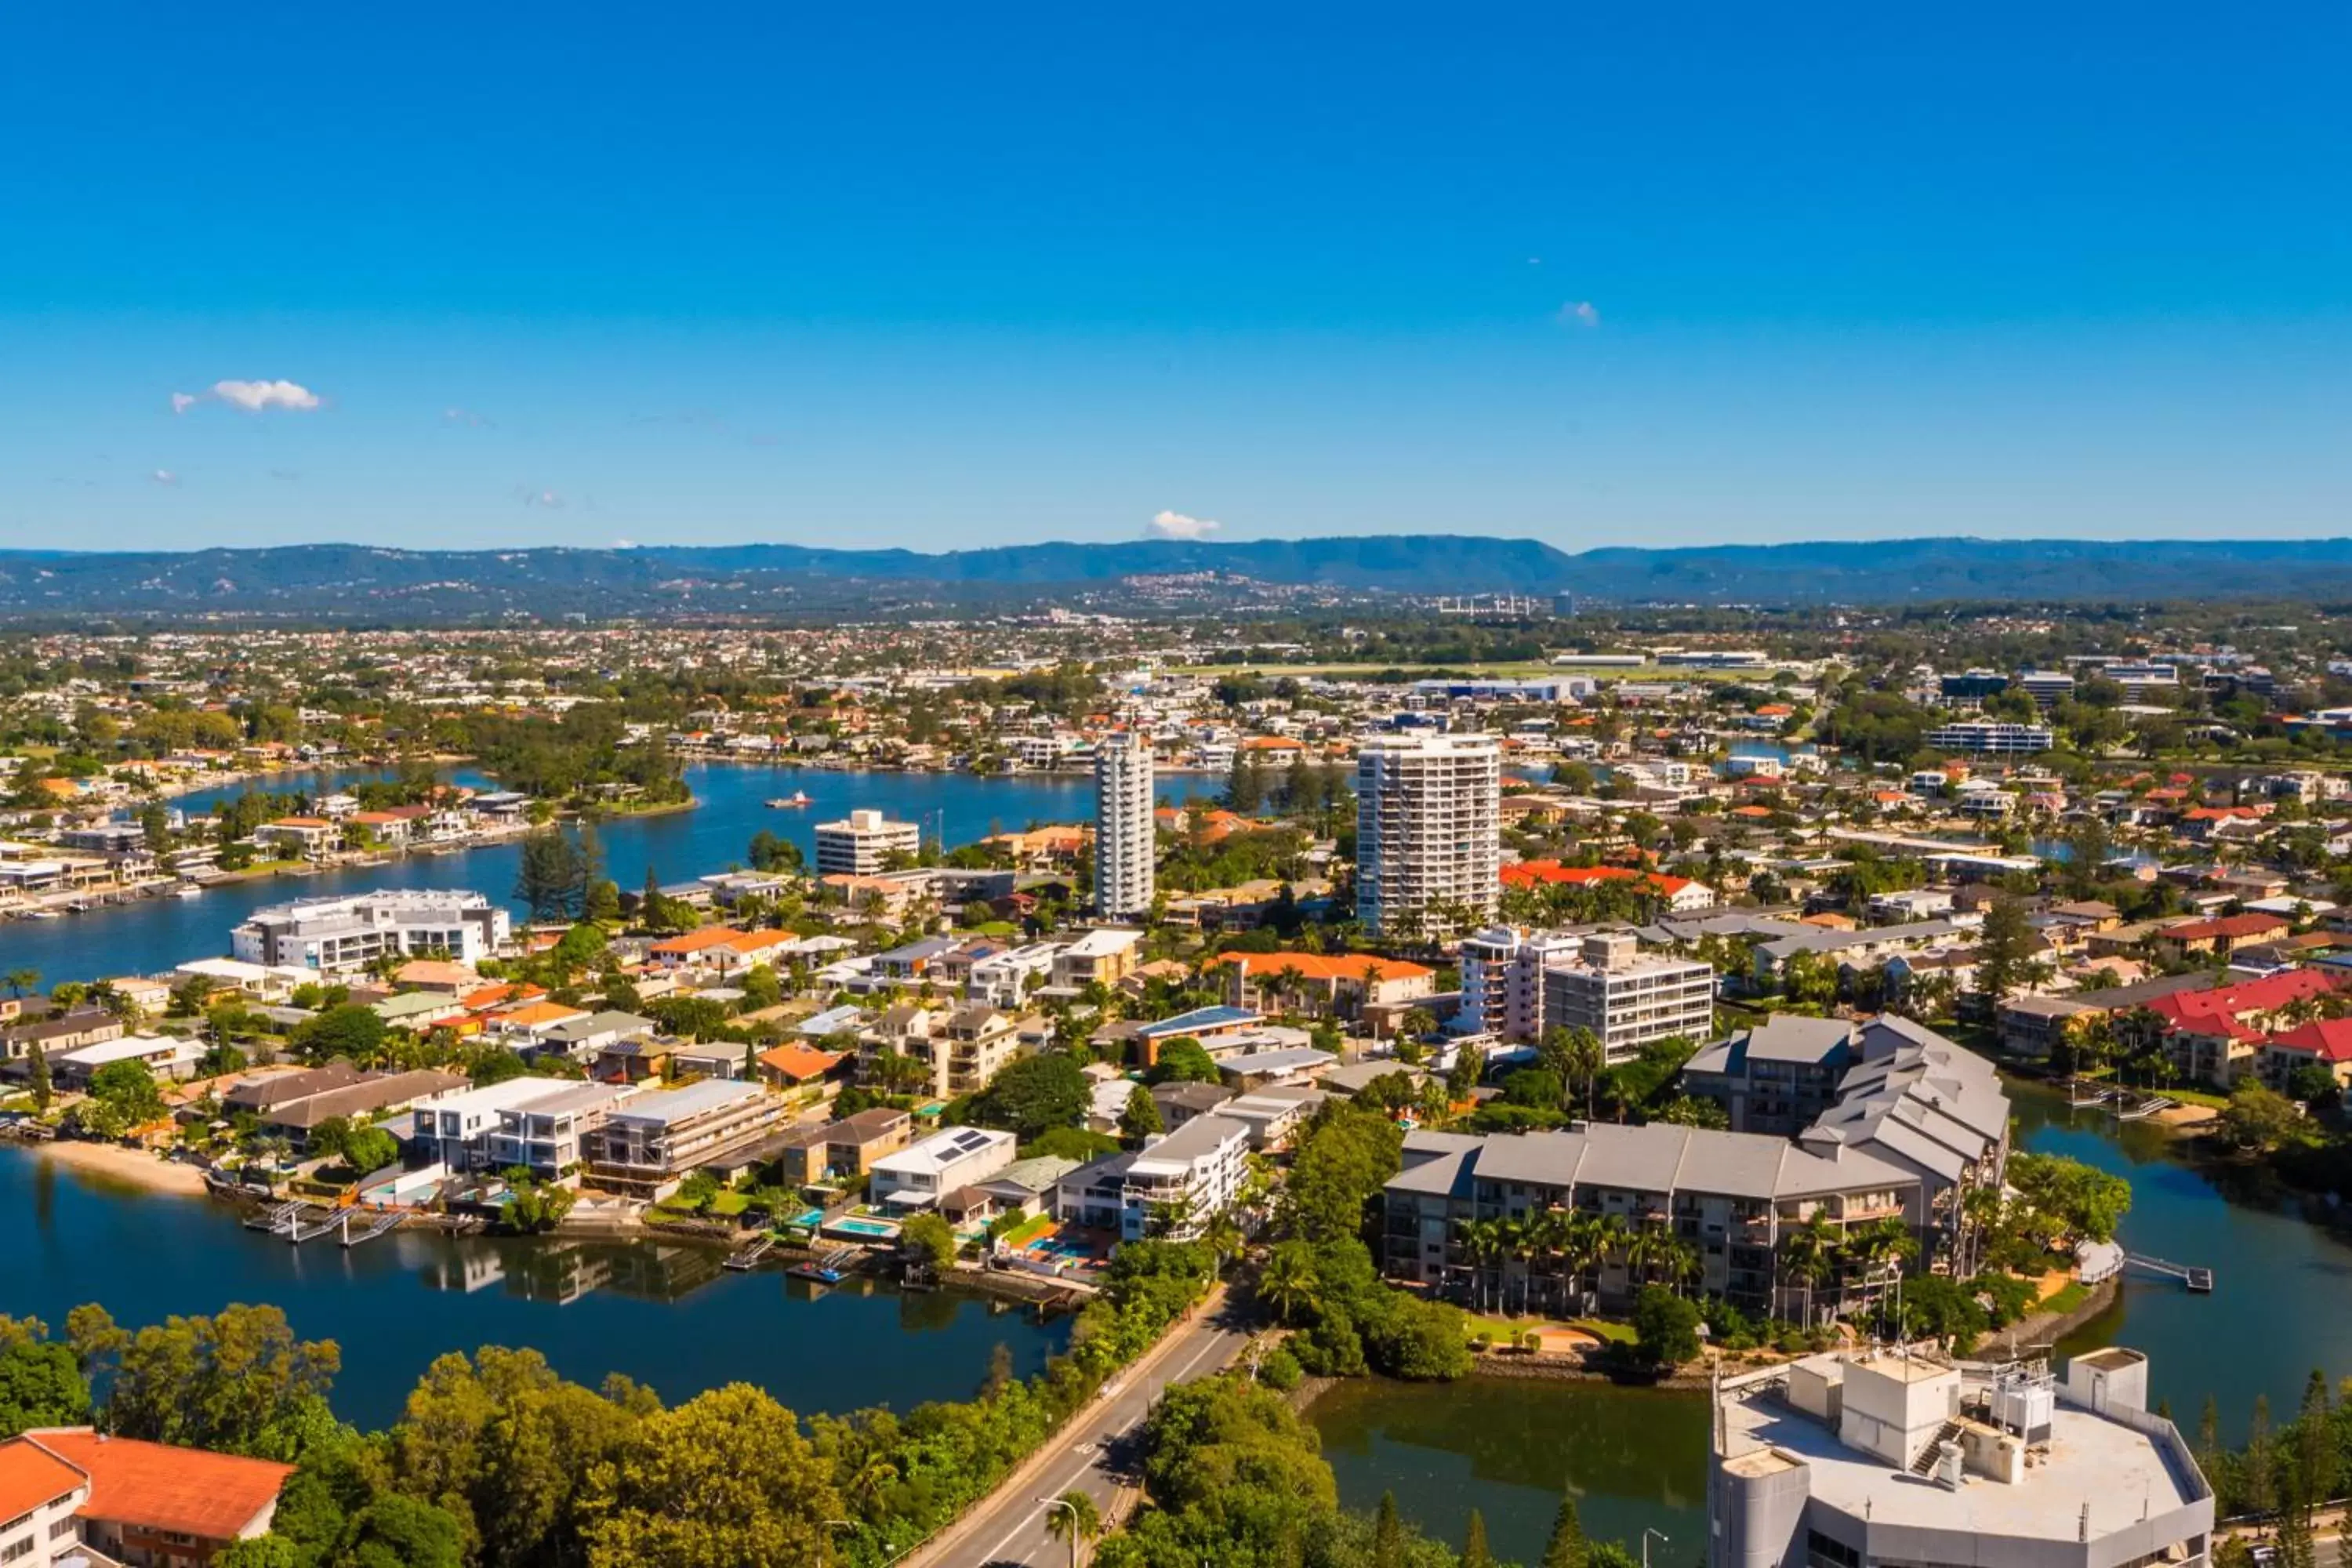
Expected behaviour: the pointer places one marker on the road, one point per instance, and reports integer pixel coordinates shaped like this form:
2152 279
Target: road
1090 1456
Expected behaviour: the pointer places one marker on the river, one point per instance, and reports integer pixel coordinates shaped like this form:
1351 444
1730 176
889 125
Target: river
665 1313
1636 1458
153 935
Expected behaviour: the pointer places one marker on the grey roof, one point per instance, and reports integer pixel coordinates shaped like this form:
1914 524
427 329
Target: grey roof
1659 1158
672 1105
1793 1037
609 1022
1916 1096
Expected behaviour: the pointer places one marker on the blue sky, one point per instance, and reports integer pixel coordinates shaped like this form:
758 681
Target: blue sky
947 275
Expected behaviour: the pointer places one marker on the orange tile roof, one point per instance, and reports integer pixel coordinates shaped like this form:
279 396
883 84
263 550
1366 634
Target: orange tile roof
1323 965
212 1496
696 941
531 1013
30 1476
800 1063
1530 873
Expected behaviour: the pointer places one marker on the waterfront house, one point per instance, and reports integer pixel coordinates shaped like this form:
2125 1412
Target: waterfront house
459 1129
548 1136
294 1116
58 1032
168 1057
648 1144
70 1492
918 1176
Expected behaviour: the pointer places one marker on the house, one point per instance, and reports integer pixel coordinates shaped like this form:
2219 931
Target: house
296 1116
714 1059
1180 1102
855 1143
649 1142
456 1129
1334 985
1289 1066
167 1058
548 1136
798 1069
1679 895
309 837
58 1032
918 1176
2218 936
137 1502
2324 1043
583 1036
1271 1115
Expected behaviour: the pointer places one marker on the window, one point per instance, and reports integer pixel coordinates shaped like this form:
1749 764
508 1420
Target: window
62 1528
17 1549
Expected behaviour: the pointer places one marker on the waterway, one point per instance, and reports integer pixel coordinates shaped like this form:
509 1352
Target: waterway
153 935
665 1313
1637 1458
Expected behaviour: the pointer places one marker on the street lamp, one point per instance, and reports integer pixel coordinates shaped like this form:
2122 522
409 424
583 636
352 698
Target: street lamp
1646 1533
1054 1503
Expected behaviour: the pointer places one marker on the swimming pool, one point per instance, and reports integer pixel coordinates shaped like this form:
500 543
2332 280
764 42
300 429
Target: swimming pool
810 1220
880 1229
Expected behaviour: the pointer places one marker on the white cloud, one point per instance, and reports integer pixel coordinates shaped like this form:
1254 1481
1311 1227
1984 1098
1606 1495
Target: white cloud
183 401
164 477
1579 314
255 395
625 544
1176 525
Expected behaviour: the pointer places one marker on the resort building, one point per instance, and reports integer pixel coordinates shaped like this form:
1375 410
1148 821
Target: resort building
648 1145
333 935
69 1494
1428 826
919 1176
1900 1455
1729 1197
861 844
1125 849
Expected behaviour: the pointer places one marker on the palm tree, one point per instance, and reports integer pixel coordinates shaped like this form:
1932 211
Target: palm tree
1290 1283
1809 1255
1586 1059
20 981
1482 1242
1073 1517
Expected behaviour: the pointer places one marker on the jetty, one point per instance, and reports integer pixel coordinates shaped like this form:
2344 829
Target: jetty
2198 1281
277 1220
745 1258
387 1221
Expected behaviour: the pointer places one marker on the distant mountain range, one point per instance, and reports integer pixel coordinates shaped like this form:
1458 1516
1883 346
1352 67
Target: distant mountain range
351 582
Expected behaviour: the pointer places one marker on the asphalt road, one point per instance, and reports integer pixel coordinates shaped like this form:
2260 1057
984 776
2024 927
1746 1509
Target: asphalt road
1094 1455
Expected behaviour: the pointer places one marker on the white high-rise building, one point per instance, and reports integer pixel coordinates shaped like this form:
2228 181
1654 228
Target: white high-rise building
862 843
1428 834
1124 850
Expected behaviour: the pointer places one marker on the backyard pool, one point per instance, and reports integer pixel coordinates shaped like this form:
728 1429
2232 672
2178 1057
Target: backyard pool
874 1229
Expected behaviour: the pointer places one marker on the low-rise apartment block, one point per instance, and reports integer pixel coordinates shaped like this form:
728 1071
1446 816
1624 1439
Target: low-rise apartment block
335 935
861 844
648 1145
1520 985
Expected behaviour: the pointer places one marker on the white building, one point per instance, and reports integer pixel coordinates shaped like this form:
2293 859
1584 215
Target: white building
548 1137
1428 835
1900 1455
1501 980
1627 997
334 934
1977 735
456 1129
1178 1183
1124 847
919 1176
861 844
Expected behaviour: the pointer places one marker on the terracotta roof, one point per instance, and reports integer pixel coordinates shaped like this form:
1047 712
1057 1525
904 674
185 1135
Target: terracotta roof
800 1063
2220 1010
2329 1039
1322 965
213 1496
1530 873
2232 926
697 941
30 1476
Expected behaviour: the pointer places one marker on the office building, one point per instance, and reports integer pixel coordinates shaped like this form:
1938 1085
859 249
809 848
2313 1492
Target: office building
334 935
1124 848
1899 1456
1980 736
1428 844
2048 687
861 844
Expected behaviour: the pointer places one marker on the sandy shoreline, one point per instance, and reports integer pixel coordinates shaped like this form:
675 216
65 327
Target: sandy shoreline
135 1167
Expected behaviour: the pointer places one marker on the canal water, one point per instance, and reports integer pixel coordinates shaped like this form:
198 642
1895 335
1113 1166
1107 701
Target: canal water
1636 1458
153 935
666 1314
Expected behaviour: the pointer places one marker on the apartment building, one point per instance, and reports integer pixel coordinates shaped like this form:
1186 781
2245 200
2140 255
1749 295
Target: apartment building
76 1497
1627 997
1501 980
1731 1197
456 1129
1125 849
1104 956
549 1136
918 1176
1176 1185
1335 984
1779 1077
647 1146
1428 824
1984 737
861 844
1897 1455
972 1048
335 935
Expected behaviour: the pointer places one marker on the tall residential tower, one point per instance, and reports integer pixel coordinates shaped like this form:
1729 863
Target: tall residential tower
1428 832
1123 834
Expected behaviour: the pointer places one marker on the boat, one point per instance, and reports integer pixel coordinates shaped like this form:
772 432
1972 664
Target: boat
187 890
788 802
43 915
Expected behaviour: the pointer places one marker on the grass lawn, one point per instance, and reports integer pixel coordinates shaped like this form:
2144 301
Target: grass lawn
1022 1235
2066 1297
726 1206
1503 1330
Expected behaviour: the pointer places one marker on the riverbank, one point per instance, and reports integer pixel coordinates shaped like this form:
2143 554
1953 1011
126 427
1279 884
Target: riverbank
131 1167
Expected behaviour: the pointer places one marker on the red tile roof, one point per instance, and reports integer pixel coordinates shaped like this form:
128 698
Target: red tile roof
213 1496
2223 1009
1323 965
1530 873
2329 1039
800 1063
2234 927
30 1476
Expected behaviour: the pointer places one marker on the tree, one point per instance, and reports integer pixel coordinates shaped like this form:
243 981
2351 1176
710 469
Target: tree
1344 1155
2261 1120
369 1149
1183 1060
350 1030
930 1240
1566 1548
44 1091
1475 1550
536 1207
20 981
1291 1284
1032 1095
2004 947
1665 1327
398 1532
40 1385
723 1479
1388 1534
122 1095
224 1382
1075 1519
554 873
1141 1118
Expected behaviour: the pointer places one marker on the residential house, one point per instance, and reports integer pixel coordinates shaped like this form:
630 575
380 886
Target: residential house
648 1144
1101 957
920 1176
71 1492
548 1136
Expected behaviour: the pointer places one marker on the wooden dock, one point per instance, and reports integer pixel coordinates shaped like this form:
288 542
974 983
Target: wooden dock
2198 1281
745 1258
383 1224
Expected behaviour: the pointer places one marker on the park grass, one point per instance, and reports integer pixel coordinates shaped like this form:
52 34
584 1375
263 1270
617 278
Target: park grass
1502 1331
2066 1297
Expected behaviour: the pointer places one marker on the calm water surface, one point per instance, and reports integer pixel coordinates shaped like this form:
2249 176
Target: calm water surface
666 1314
154 934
